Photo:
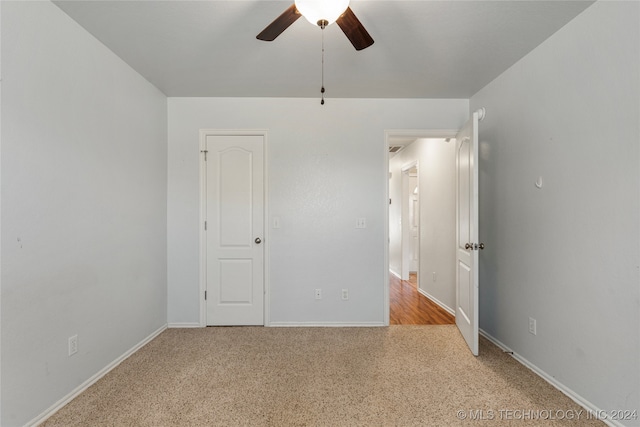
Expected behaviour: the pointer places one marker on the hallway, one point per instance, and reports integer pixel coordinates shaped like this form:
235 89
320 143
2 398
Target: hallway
407 306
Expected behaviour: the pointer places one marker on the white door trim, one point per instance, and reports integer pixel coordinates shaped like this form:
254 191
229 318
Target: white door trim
204 133
404 214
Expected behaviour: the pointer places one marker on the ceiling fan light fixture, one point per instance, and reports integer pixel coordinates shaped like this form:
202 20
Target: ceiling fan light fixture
322 12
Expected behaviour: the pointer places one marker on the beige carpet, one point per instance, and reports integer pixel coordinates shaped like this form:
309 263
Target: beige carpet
253 376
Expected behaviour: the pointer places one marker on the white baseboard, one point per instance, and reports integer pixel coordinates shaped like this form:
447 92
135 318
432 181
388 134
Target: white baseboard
325 324
88 383
437 301
395 274
178 325
589 407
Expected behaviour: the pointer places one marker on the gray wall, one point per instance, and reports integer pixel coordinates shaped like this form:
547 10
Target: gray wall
327 166
567 254
83 208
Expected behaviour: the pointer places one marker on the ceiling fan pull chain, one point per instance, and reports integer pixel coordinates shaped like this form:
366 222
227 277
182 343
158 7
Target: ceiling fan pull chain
322 74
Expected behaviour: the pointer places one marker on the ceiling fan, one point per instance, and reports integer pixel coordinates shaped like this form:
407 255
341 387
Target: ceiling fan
321 13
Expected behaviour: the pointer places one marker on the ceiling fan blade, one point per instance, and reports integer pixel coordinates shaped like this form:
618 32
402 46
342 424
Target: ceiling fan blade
280 24
354 30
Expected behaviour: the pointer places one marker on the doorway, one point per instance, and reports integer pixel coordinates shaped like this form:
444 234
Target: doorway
444 249
421 215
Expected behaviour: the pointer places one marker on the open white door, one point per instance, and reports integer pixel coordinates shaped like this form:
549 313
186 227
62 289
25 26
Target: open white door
235 227
467 231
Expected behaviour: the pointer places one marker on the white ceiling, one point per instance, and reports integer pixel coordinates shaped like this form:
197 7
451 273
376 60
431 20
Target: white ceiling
422 49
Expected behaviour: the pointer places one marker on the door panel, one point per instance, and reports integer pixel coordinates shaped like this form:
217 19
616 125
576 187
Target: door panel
467 233
235 186
464 297
236 281
235 227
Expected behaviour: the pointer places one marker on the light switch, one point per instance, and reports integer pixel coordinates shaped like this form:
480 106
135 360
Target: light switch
361 222
276 222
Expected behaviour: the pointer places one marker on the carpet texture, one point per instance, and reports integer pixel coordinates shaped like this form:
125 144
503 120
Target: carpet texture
254 376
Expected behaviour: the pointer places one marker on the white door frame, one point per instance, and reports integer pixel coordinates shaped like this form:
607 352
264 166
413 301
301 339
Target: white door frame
204 133
389 135
404 214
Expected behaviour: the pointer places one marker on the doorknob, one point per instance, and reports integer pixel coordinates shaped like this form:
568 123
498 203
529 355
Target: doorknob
474 246
258 241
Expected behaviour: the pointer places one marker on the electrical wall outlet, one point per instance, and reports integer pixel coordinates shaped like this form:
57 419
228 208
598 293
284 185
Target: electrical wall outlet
73 345
532 326
435 276
318 293
345 294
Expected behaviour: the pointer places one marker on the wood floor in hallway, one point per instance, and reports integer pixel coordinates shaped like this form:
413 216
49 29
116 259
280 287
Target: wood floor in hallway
407 306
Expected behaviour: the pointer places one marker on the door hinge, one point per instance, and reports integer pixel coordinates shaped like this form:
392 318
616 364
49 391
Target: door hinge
205 154
205 295
205 226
